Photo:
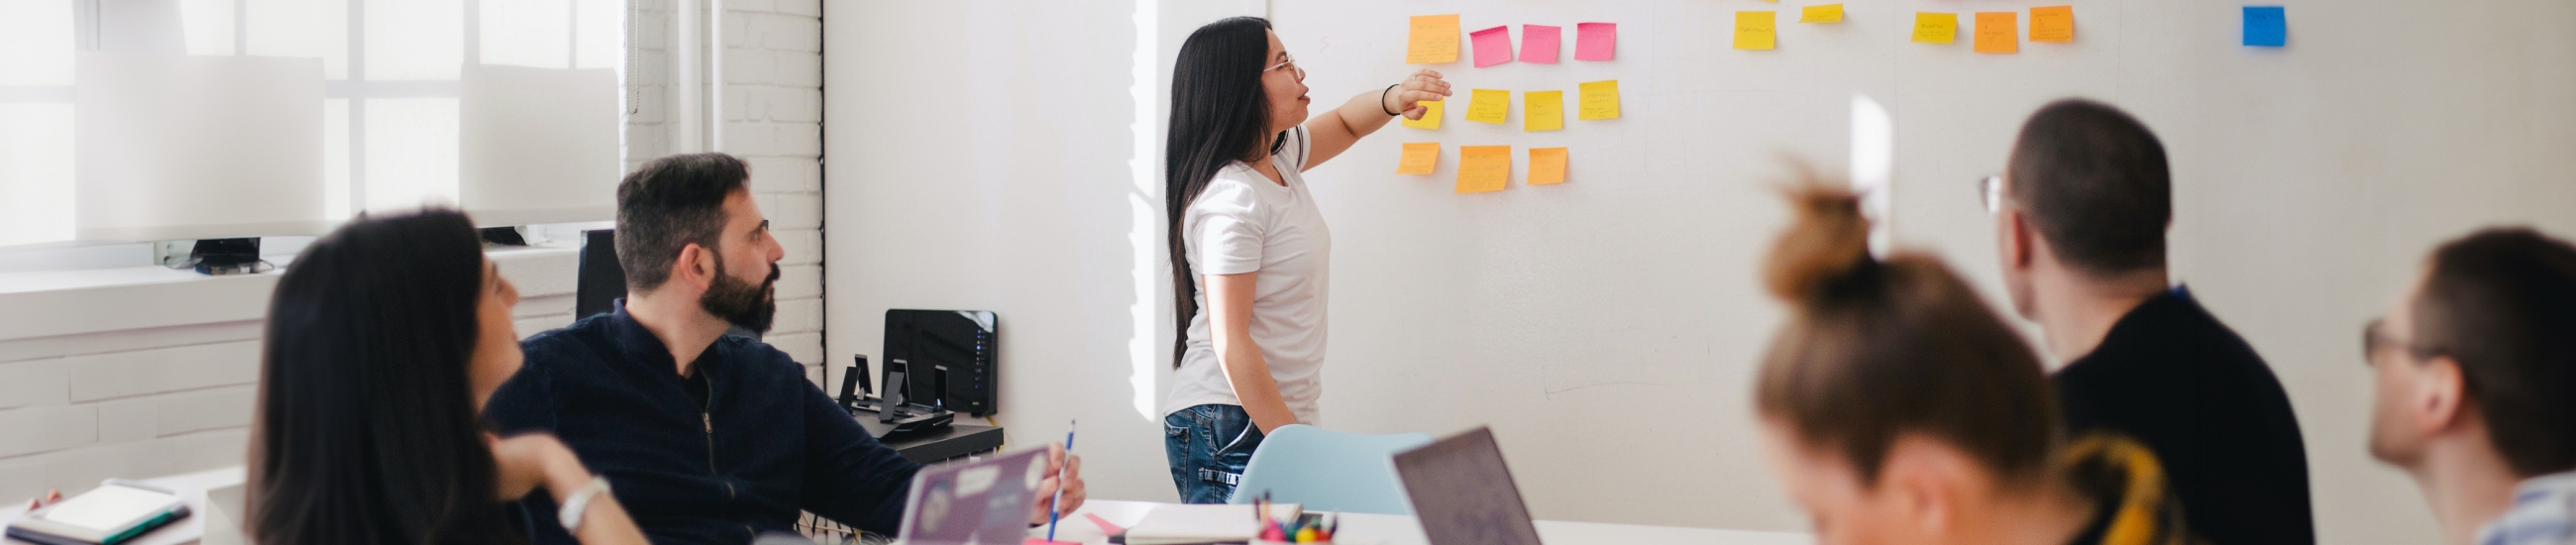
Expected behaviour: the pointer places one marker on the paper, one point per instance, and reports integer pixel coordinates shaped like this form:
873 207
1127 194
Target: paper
2052 24
1542 110
1828 13
2266 26
1539 43
1596 41
1203 523
1998 32
1434 40
1493 46
1430 115
1935 28
1756 29
1489 106
1547 166
1419 158
1484 168
1600 100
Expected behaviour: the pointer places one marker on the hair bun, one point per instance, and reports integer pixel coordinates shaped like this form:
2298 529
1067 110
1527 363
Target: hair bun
1827 240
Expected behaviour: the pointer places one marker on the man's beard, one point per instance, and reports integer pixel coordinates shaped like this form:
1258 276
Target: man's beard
743 304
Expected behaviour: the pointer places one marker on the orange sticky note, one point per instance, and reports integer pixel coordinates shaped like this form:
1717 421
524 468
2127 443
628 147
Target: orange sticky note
1600 100
1434 40
1935 28
1998 32
2052 24
1419 158
1542 110
1484 168
1547 166
1756 29
1430 115
1489 106
1828 13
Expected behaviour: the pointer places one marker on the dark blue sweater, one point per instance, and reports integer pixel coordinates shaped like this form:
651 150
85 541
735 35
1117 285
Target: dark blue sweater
768 444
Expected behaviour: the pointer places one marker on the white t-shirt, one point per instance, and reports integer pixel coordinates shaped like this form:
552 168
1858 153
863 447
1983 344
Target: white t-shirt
1245 223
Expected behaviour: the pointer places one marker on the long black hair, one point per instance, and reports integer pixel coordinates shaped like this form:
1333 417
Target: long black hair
1220 114
366 431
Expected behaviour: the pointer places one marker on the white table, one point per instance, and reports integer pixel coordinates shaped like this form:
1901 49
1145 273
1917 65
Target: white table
202 524
1366 529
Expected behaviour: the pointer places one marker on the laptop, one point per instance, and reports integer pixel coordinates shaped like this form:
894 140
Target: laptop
1463 493
984 502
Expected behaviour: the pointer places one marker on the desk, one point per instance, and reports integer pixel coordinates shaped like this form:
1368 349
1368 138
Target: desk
956 440
201 522
1366 529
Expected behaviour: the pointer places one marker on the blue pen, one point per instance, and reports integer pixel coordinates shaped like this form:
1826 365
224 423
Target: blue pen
1055 509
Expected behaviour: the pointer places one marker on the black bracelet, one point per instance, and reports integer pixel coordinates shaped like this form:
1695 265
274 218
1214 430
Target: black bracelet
1381 100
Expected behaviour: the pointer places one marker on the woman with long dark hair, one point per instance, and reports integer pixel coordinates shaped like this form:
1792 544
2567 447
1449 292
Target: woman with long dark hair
1249 250
384 339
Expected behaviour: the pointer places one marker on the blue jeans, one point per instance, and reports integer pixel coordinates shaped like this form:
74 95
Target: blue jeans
1208 446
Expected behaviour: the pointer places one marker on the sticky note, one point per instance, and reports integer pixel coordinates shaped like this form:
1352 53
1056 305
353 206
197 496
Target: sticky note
2266 26
1484 168
1828 13
1419 158
1596 41
1489 106
1756 29
1542 110
1935 28
1539 43
1493 46
1547 166
1434 40
2052 24
1998 32
1430 115
1600 100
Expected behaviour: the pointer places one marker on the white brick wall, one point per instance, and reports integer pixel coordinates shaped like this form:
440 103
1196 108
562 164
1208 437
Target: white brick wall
772 110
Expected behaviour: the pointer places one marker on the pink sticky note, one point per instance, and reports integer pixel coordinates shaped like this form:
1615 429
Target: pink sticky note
1539 43
1493 46
1596 41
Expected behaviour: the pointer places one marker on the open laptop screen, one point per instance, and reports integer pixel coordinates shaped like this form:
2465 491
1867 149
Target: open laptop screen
1463 492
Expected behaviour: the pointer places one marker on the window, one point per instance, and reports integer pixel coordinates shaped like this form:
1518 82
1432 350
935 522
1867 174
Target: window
390 91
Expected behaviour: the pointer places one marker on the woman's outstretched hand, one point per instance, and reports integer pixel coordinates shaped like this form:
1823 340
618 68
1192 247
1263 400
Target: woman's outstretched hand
1423 85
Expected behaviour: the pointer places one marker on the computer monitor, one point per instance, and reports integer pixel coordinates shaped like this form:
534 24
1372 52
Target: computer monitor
602 281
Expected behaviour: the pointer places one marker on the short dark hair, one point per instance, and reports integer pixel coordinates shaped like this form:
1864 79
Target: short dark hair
667 205
2502 302
2095 183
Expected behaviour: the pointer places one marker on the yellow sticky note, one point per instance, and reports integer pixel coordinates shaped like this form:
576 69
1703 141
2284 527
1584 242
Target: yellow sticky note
1542 110
1419 158
1756 29
2052 24
1600 100
1484 168
1828 13
1547 166
1435 40
1430 115
1935 28
1489 106
1998 32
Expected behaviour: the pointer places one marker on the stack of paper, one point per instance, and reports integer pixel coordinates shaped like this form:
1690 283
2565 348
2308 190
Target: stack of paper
1196 524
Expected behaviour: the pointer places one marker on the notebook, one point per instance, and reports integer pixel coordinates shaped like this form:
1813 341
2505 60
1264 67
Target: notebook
1464 494
1197 524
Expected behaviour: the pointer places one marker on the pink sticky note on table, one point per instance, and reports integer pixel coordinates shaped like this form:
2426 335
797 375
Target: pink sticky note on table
1493 46
1539 43
1596 41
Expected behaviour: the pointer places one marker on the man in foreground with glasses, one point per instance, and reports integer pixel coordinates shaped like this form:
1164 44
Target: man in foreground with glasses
2080 219
2477 388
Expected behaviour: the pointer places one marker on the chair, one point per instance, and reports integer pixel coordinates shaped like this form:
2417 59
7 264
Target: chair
1325 470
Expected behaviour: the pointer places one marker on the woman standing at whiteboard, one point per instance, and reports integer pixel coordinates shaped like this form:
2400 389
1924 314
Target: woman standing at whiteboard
1249 250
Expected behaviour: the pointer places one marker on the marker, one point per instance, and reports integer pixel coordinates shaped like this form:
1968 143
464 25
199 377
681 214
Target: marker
1055 509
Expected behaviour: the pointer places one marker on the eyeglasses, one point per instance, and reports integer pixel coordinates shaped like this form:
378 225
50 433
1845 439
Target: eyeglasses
2376 339
1990 190
1290 64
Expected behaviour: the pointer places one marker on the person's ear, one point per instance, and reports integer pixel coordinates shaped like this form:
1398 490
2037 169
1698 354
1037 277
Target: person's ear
2018 239
2441 396
1922 481
696 266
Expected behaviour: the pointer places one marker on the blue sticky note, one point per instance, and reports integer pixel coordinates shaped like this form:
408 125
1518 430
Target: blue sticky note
2266 27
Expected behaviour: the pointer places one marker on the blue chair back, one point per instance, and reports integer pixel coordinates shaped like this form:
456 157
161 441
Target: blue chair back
1326 470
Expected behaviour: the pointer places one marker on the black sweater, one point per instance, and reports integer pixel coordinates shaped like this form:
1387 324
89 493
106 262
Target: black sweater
2172 376
767 444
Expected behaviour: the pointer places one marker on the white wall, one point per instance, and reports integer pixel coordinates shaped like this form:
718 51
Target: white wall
1607 328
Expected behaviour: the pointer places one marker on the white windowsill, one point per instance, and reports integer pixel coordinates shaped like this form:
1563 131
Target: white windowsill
55 303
